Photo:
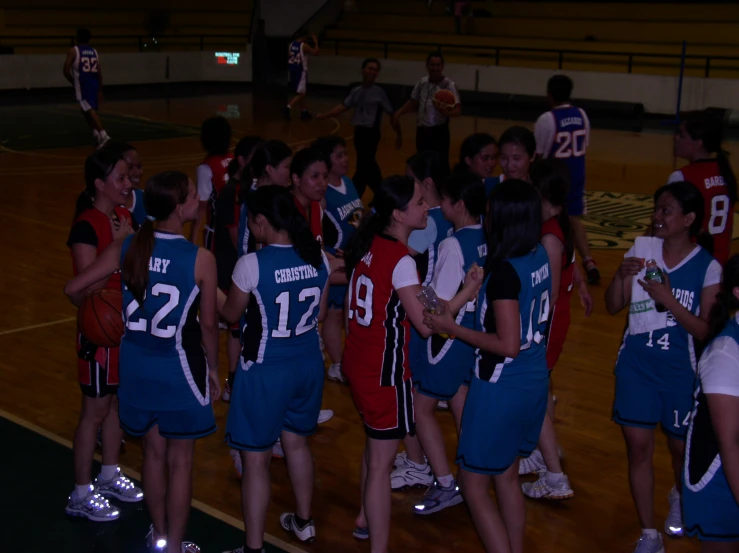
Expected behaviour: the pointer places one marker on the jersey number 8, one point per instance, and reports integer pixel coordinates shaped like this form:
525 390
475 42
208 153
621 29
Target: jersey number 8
720 213
571 144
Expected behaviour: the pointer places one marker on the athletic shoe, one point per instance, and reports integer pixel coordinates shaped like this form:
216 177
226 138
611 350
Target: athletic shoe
647 544
189 547
443 406
400 459
334 373
360 533
119 487
591 270
533 463
541 489
305 534
277 451
674 521
325 415
155 546
236 458
437 498
226 395
93 506
410 475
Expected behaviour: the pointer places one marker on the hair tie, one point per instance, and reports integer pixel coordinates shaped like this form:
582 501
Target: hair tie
152 219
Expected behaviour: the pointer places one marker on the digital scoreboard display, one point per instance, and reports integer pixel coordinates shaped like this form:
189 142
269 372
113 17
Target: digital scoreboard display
227 58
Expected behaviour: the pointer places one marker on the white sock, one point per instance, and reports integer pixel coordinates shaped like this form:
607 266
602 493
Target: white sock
416 465
553 478
81 491
108 472
649 532
446 481
104 135
95 133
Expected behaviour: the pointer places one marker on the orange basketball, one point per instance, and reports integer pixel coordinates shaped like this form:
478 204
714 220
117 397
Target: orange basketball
100 318
445 97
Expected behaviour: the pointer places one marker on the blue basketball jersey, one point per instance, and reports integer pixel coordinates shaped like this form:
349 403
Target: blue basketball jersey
668 353
138 213
85 72
343 212
296 60
283 309
245 241
530 365
162 362
474 248
570 142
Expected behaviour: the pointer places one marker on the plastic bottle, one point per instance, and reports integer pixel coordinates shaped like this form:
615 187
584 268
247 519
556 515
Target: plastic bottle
654 273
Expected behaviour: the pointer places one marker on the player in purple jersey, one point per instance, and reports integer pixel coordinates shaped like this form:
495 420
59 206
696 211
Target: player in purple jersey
82 69
564 133
302 46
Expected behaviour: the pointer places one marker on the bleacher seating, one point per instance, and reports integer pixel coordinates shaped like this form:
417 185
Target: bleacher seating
411 30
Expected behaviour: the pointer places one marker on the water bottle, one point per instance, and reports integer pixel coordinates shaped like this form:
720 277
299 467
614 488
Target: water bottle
654 273
431 303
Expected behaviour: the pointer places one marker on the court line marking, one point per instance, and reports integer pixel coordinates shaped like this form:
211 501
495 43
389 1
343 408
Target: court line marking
34 327
215 513
33 221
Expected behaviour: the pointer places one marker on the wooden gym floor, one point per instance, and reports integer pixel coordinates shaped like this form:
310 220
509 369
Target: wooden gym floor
37 330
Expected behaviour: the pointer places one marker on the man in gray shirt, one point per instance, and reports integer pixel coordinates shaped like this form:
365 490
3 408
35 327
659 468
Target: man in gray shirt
368 101
432 123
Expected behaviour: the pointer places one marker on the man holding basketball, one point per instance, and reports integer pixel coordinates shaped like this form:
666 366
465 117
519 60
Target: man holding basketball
436 100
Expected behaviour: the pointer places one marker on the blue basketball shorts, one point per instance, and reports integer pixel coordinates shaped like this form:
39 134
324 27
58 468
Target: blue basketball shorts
446 365
268 399
500 423
185 424
641 403
712 513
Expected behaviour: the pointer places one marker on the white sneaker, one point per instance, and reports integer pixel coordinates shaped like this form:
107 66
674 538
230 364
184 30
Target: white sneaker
155 546
119 487
236 458
533 463
277 451
400 459
541 489
410 475
325 415
305 534
674 520
443 406
334 373
647 544
226 395
437 498
189 547
92 506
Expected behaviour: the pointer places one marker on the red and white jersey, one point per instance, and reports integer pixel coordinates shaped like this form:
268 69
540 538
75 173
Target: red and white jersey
560 319
377 341
315 222
212 176
718 218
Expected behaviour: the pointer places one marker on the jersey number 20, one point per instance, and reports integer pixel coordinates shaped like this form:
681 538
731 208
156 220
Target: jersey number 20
571 144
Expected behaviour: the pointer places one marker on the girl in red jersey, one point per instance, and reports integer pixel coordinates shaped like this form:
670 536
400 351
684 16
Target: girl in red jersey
382 305
99 220
698 140
550 179
309 179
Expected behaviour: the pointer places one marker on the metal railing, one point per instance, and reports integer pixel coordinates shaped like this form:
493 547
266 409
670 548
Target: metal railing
141 42
495 51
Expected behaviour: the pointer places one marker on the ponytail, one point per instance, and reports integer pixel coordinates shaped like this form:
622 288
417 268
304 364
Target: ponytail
244 148
391 194
552 179
304 243
162 194
726 302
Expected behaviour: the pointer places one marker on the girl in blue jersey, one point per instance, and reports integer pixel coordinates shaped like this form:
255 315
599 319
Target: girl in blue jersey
479 155
344 210
444 369
169 352
507 398
284 287
655 370
711 476
411 466
517 151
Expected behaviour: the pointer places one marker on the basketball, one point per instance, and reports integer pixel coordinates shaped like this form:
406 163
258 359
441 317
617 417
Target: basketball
99 318
445 97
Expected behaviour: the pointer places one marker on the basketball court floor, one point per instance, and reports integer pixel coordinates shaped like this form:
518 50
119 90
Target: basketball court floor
42 152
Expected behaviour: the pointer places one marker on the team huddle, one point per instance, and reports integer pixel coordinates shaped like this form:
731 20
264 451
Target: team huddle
452 289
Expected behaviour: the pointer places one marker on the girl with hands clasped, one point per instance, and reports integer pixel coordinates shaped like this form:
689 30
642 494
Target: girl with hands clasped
169 353
655 370
511 379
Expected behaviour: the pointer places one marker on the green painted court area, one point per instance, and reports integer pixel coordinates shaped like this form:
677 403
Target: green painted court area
36 478
25 128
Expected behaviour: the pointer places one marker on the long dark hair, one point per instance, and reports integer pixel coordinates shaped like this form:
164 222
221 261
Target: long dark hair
118 147
304 159
521 136
709 129
513 222
726 301
162 194
467 187
215 135
472 146
277 205
691 201
98 165
271 153
551 178
326 145
391 194
244 148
